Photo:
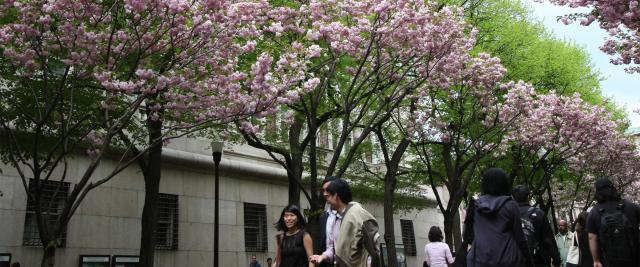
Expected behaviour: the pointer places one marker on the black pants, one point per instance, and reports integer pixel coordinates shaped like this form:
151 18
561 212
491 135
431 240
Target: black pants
620 264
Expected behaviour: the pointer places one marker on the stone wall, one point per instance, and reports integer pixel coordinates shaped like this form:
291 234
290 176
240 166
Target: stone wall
108 221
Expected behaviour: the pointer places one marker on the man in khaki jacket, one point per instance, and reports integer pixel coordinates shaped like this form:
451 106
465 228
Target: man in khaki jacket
349 250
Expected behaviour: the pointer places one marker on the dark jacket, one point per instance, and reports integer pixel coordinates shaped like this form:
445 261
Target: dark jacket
323 238
498 240
547 247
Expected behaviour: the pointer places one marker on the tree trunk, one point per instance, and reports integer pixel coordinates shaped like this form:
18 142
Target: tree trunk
151 172
448 228
314 230
49 256
294 191
552 209
457 232
296 167
389 190
451 216
452 234
389 233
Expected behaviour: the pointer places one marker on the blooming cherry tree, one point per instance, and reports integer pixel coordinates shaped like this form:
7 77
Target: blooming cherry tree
373 57
553 132
122 77
459 122
620 18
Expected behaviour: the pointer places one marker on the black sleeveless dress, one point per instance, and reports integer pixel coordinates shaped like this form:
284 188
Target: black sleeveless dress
292 253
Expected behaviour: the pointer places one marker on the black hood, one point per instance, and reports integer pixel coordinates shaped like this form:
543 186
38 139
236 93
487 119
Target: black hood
489 204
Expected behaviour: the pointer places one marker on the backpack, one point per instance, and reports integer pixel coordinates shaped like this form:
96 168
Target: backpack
616 235
370 240
529 229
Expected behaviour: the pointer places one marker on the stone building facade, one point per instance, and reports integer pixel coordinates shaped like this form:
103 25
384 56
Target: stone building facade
253 191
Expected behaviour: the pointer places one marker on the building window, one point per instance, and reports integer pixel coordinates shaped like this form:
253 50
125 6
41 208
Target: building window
52 197
95 260
408 238
323 138
5 259
255 227
167 231
125 261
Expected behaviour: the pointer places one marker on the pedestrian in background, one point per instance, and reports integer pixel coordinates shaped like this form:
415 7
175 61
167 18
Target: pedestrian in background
328 231
537 227
254 262
437 253
294 245
581 240
563 240
498 240
613 228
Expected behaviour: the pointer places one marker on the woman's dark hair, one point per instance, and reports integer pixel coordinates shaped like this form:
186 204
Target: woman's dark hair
281 226
340 187
435 234
581 220
495 182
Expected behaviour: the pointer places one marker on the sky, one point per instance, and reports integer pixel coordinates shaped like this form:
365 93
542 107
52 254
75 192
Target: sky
621 87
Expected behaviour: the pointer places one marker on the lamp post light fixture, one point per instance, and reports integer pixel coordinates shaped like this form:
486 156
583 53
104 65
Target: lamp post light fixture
216 147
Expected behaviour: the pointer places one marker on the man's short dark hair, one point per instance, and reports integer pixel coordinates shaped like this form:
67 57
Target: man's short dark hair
521 194
328 179
269 259
435 234
496 182
605 190
340 187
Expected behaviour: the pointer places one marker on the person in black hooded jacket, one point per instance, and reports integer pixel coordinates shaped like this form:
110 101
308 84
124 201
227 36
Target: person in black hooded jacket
547 249
498 239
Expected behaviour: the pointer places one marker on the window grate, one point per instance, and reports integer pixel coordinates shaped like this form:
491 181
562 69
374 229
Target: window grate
167 228
408 237
52 199
255 227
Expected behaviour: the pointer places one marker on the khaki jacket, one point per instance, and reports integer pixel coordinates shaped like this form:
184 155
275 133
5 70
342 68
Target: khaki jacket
350 252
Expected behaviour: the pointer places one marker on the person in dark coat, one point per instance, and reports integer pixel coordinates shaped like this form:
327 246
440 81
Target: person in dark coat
582 238
498 239
610 203
327 219
547 249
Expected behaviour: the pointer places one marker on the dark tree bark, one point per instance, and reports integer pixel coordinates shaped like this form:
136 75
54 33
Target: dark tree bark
390 179
151 170
49 257
457 232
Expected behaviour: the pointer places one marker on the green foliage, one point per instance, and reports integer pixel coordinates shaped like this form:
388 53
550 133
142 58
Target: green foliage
531 53
404 200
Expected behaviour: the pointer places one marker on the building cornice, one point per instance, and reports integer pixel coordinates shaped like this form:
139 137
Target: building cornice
227 164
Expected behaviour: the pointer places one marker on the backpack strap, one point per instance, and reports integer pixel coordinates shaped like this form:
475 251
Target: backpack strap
531 211
620 206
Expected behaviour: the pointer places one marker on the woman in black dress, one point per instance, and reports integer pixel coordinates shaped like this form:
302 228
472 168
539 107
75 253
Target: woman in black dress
294 245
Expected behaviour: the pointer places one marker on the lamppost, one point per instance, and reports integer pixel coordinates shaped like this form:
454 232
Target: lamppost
216 147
